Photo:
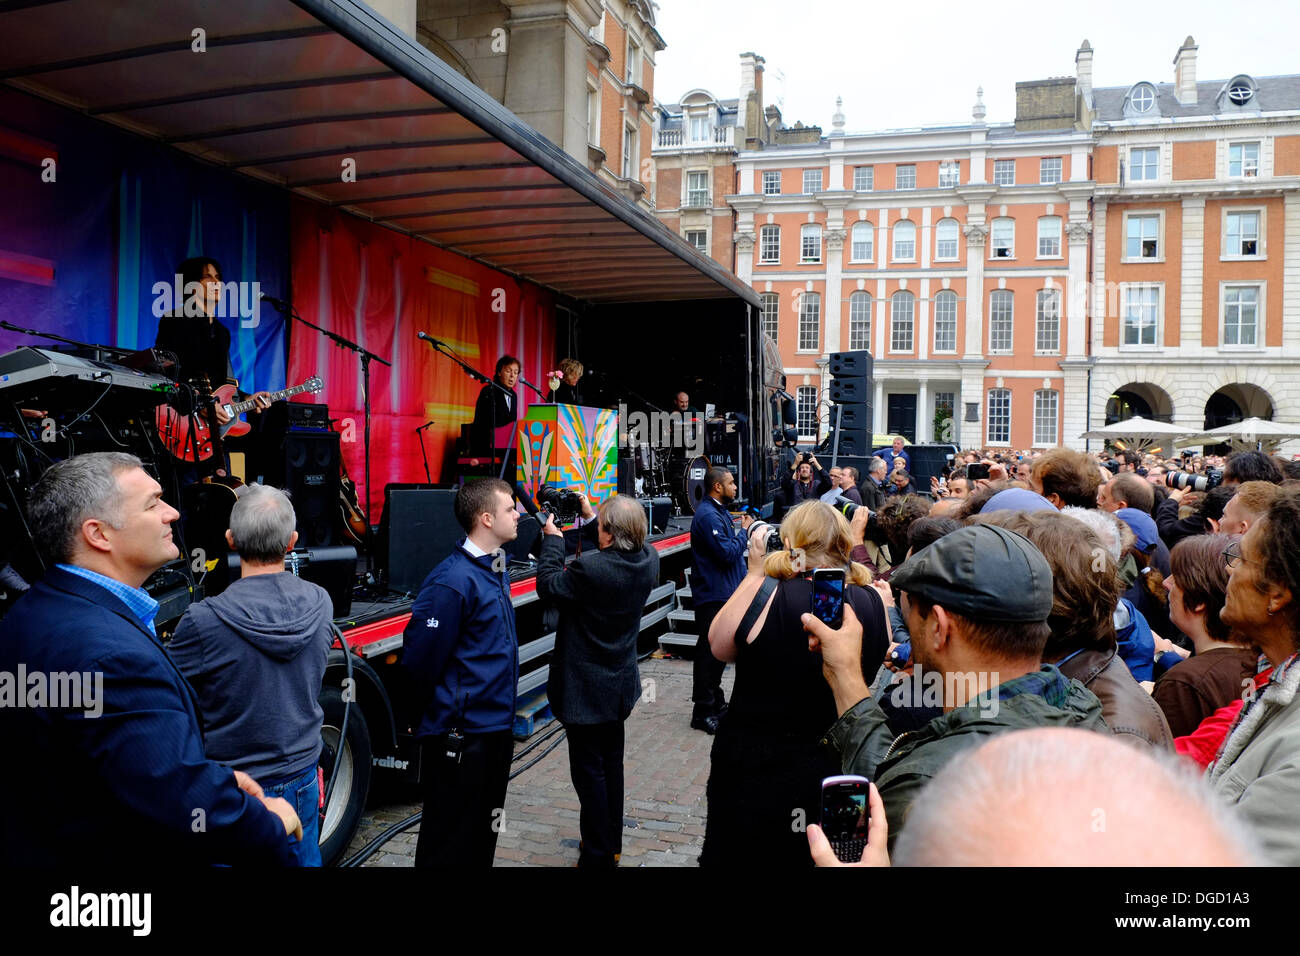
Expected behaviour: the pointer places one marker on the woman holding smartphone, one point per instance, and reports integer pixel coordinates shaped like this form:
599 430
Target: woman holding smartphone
767 763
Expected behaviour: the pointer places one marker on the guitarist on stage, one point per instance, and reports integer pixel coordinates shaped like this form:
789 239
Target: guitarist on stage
201 343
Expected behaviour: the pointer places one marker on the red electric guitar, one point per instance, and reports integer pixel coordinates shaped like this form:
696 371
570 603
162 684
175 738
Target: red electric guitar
189 437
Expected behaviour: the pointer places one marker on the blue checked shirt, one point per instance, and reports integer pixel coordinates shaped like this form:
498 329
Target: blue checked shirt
137 600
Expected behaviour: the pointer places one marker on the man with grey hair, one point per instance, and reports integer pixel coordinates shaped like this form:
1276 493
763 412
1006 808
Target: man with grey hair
872 489
125 780
594 679
256 654
1036 798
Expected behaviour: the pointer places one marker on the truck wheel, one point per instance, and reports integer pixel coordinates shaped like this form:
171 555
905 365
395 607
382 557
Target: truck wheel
343 813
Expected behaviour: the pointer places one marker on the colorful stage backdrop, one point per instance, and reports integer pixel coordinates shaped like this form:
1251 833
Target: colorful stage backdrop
379 288
80 256
93 218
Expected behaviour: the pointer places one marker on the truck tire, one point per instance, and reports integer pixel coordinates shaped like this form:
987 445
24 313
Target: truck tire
343 813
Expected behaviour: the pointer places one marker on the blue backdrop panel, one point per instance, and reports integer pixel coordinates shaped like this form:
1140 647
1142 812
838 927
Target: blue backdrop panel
80 256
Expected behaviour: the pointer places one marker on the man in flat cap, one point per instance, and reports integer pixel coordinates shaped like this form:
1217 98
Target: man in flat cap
976 603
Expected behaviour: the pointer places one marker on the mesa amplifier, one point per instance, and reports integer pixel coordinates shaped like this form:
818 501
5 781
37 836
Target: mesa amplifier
297 416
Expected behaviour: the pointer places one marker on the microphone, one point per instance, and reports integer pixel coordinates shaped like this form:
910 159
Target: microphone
424 426
278 303
428 338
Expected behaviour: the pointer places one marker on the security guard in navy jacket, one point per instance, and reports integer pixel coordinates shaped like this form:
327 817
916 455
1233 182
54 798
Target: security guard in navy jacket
718 556
461 648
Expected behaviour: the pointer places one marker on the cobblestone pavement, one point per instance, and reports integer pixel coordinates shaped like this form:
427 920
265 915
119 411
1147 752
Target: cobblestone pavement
666 769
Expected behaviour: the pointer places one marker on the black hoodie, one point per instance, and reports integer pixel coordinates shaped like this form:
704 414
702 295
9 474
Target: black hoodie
255 654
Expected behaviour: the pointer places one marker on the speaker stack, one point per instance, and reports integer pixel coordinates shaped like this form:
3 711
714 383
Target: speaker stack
851 395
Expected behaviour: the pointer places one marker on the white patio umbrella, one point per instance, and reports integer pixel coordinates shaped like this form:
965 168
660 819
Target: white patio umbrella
1249 433
1138 432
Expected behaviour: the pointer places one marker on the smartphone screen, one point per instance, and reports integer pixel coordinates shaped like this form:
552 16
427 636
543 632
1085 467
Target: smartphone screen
845 815
977 471
828 596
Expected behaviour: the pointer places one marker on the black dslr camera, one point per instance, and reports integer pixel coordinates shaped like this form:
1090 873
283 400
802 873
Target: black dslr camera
1212 478
561 503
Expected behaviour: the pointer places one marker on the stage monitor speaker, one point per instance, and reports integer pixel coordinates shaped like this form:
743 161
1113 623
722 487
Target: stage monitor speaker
417 530
928 462
657 512
851 391
845 364
333 568
311 476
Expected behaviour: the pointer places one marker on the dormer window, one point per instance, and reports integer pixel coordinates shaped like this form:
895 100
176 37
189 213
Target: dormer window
1240 90
1141 101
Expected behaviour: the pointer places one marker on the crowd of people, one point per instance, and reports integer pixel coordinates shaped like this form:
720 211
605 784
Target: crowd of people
1051 601
1028 621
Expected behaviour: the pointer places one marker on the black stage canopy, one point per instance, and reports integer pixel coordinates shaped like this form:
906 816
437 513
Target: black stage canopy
287 89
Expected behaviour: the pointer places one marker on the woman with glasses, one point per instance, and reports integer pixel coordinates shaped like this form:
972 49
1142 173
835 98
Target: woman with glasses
1198 686
1258 766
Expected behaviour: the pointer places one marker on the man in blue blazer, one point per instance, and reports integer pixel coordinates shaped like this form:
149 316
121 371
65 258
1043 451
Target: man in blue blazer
98 721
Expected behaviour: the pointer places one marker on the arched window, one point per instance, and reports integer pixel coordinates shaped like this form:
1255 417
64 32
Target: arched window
862 236
945 321
903 322
810 243
904 241
810 320
860 320
946 237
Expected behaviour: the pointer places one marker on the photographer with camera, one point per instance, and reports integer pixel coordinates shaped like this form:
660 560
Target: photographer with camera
1173 527
809 481
718 564
767 761
594 680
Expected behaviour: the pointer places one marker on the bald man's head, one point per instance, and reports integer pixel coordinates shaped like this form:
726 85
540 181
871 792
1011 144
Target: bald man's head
1066 797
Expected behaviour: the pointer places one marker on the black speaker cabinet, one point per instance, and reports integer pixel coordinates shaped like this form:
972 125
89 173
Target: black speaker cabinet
311 476
417 530
928 462
333 568
847 364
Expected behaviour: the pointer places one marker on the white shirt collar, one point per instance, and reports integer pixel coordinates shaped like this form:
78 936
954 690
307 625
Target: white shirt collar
474 550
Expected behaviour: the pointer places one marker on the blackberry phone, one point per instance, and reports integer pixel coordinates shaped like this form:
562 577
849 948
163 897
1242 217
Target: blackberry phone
845 815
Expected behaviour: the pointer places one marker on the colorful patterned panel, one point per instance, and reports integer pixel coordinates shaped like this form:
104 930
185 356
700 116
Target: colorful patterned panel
588 459
535 448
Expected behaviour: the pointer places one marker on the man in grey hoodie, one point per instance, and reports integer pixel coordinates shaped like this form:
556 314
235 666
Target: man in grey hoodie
255 655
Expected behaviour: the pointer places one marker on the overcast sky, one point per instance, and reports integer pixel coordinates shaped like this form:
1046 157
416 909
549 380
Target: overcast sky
913 63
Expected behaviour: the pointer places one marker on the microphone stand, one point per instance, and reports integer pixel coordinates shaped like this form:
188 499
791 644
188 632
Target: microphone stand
424 454
366 357
540 393
59 338
442 349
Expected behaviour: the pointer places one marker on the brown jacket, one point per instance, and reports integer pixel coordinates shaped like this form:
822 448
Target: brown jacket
1128 710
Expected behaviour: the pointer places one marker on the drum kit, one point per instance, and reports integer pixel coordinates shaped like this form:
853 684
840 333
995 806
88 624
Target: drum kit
658 472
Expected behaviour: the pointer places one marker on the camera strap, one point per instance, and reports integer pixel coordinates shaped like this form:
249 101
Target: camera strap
755 609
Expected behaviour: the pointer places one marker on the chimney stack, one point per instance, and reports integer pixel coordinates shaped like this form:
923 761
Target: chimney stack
1083 71
1185 73
750 112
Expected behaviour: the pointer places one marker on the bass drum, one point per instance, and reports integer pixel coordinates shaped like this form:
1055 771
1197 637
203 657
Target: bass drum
693 483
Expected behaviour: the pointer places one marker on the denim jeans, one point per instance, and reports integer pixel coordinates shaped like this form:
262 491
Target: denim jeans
303 794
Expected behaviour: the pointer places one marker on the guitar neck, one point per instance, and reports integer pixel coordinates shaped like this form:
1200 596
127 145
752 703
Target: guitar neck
237 408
